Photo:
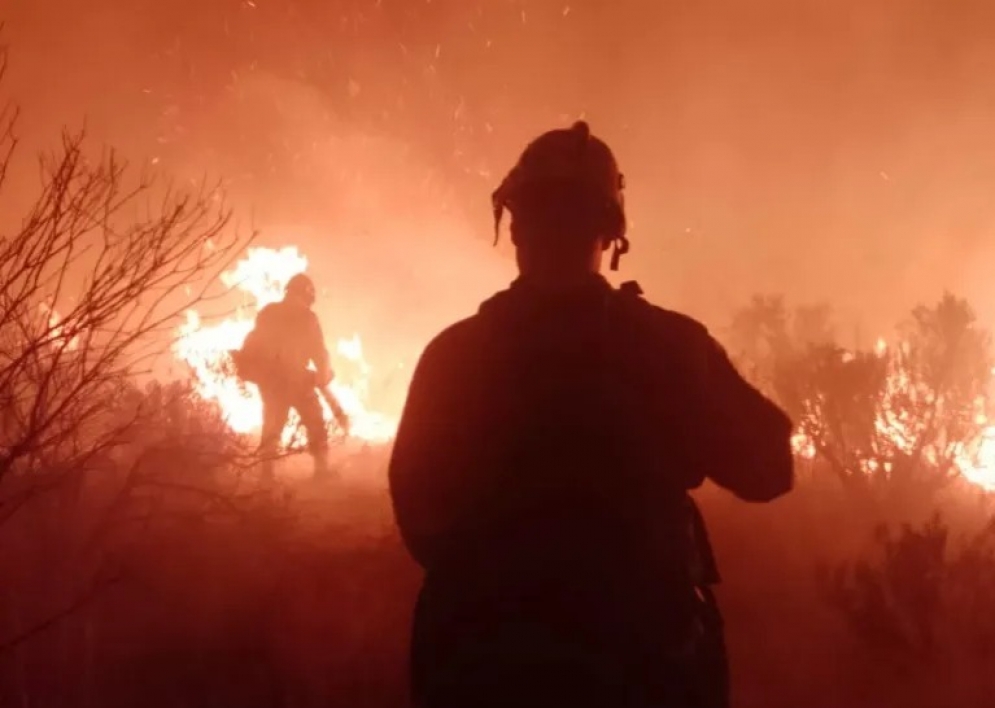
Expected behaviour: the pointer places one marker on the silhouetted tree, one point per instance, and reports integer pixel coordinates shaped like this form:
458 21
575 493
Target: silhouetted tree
92 280
759 339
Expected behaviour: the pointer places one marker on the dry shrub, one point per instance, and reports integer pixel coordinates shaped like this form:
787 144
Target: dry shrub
211 591
923 612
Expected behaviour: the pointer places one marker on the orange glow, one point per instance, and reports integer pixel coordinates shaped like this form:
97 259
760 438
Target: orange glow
56 331
979 468
261 277
899 430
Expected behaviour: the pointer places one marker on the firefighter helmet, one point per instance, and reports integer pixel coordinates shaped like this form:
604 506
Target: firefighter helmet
575 159
302 287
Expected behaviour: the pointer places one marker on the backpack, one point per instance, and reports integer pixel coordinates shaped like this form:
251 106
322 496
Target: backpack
701 658
249 360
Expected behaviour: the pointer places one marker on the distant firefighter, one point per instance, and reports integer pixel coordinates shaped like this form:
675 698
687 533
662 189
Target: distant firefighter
286 339
543 461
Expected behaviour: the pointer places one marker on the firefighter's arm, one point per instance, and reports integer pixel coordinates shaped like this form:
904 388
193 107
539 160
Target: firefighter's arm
318 353
745 439
427 464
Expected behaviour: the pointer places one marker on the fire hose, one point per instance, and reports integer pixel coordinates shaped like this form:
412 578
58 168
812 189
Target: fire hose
341 417
251 374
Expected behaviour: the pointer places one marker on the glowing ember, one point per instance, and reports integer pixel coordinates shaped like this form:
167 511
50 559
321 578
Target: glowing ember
261 276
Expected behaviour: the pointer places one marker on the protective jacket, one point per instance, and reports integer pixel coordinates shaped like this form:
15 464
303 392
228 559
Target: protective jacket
540 476
286 338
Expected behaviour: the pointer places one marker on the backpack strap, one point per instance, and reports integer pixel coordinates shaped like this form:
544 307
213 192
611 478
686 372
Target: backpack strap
624 299
630 288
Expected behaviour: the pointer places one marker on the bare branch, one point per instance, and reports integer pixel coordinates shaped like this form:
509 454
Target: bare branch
94 281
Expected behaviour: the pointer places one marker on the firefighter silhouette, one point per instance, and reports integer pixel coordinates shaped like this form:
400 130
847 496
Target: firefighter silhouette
541 470
276 355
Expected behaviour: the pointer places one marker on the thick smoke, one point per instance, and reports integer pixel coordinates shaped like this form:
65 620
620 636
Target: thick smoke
831 151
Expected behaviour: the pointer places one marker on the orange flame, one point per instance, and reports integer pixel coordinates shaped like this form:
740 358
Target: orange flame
899 430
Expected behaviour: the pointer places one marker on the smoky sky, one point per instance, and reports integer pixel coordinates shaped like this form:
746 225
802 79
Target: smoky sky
838 151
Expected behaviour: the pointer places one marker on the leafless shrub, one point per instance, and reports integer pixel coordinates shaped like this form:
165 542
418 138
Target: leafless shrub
93 279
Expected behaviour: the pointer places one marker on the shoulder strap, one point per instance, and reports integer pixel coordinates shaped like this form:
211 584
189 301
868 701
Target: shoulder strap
622 299
631 288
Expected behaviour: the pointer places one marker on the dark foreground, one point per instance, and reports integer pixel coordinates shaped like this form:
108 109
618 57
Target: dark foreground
193 592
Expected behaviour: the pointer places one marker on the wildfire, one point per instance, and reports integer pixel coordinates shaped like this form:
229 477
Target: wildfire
898 431
261 277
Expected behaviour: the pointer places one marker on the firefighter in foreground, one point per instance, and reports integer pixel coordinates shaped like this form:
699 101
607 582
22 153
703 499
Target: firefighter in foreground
541 470
287 337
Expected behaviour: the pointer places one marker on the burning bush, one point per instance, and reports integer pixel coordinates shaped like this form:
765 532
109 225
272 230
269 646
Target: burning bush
912 415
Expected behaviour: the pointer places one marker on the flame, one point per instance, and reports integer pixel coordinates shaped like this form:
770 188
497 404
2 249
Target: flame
803 445
899 429
979 468
261 277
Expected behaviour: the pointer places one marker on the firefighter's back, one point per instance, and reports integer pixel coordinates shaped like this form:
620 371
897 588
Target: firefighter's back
283 336
541 469
581 542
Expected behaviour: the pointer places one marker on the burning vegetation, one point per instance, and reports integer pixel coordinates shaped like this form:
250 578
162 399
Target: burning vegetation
260 278
920 407
142 564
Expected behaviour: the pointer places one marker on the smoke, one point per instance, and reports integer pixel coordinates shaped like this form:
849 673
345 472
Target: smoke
830 151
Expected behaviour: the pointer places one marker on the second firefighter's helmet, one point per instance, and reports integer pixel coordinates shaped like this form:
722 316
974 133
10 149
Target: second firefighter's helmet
301 287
